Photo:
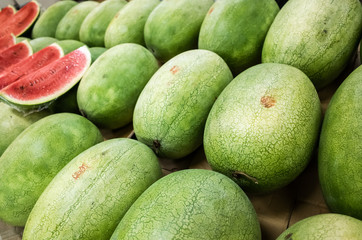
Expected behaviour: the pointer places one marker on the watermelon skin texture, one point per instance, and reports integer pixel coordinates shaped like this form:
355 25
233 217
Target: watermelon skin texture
236 30
318 37
191 204
324 227
128 24
263 128
69 25
340 151
12 123
38 44
173 27
89 197
94 26
48 21
108 92
34 158
171 112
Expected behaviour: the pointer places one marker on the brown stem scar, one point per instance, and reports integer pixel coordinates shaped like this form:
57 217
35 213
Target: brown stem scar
238 174
156 146
268 101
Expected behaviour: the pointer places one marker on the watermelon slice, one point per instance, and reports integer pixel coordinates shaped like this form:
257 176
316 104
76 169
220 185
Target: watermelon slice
7 41
21 20
31 64
6 14
14 54
36 90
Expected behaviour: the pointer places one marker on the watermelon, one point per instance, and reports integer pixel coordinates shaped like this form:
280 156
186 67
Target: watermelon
7 41
48 21
14 54
38 89
34 158
171 112
191 204
108 92
90 195
12 123
69 45
21 20
340 151
94 26
6 14
236 29
69 25
263 128
31 64
96 52
128 24
318 37
41 42
324 227
173 27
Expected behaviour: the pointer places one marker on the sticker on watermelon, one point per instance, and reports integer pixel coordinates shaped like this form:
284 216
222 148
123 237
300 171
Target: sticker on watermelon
31 64
38 90
19 22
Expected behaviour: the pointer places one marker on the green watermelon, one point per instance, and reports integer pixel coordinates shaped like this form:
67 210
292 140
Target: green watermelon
90 195
69 25
263 128
48 21
191 204
173 27
236 29
70 45
324 227
340 151
37 90
21 21
96 52
33 159
31 64
94 26
41 42
318 37
171 111
12 123
107 94
128 24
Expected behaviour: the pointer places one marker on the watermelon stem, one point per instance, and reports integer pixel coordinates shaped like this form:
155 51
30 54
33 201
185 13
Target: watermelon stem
238 175
156 146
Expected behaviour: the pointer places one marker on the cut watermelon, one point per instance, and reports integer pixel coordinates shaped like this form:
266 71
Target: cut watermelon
7 41
31 64
6 14
21 20
14 54
41 87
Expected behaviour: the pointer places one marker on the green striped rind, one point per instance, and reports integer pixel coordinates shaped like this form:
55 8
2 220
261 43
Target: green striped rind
96 52
69 25
70 45
318 37
94 26
128 24
173 27
340 150
33 159
12 123
171 111
108 92
236 30
262 129
89 197
191 204
324 227
48 21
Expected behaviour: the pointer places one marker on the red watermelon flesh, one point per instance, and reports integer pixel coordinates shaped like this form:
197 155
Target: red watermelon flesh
6 14
49 82
21 20
31 64
14 54
7 41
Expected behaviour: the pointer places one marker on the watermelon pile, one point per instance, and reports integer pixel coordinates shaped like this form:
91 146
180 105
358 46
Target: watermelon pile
97 98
